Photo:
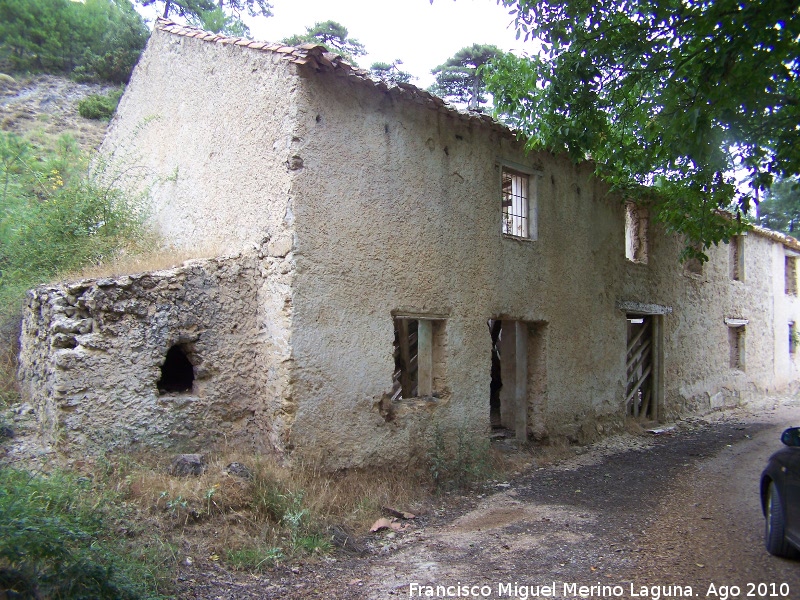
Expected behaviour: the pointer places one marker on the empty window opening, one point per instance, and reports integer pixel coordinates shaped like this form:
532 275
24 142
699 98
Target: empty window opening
419 346
177 373
636 223
736 254
736 346
640 365
516 204
517 378
791 276
793 339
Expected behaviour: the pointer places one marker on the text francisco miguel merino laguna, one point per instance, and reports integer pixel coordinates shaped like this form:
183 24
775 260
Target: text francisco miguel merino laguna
550 590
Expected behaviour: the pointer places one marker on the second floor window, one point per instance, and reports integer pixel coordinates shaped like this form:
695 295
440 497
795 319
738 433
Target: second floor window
516 204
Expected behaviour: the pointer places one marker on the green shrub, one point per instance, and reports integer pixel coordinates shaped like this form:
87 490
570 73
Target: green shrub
56 216
56 539
100 106
92 39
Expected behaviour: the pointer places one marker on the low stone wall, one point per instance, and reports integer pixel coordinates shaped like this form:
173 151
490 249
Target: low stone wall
163 358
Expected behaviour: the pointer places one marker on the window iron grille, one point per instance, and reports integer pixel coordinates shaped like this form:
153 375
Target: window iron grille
516 212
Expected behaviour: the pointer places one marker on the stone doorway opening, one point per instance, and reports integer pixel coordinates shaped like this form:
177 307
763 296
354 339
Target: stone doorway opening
517 377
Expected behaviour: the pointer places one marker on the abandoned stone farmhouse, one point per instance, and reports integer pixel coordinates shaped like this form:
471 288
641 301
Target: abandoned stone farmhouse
383 265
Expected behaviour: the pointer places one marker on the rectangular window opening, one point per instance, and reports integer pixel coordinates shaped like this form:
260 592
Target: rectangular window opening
736 253
793 339
419 354
636 223
791 276
518 206
736 345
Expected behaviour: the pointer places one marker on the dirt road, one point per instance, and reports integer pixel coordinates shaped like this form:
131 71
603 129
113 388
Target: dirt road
670 515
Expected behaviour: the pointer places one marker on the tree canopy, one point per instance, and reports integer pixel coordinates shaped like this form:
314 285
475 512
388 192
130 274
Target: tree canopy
334 36
390 72
460 78
675 95
219 16
193 9
781 208
185 9
95 39
218 21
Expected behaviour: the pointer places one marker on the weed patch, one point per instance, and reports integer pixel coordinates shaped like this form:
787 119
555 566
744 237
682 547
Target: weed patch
255 558
57 538
55 218
456 459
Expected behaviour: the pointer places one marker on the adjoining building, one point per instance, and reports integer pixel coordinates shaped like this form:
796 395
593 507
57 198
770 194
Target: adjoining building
388 265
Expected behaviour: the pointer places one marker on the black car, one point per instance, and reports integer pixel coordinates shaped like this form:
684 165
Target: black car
780 497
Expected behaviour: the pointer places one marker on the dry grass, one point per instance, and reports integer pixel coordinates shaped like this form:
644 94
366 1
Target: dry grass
634 426
274 514
352 498
252 522
9 388
558 450
355 498
137 260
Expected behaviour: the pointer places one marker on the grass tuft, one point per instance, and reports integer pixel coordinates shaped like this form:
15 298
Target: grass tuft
457 460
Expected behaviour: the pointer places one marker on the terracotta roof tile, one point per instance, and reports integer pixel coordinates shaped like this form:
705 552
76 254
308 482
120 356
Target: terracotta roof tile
318 58
777 236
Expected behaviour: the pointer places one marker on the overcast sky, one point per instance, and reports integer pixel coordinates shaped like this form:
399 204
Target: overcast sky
421 34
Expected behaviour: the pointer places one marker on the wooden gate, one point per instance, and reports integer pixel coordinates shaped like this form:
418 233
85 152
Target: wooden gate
639 396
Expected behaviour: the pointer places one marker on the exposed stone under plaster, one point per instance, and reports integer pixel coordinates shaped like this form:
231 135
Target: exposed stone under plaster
93 350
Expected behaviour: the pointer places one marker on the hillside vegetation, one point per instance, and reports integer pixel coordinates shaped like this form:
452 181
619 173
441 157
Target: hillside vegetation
92 40
57 530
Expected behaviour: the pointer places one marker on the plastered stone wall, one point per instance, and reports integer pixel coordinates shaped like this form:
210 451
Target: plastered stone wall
92 355
398 210
698 375
207 130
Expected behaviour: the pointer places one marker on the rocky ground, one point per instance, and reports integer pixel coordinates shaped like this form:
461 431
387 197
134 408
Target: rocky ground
47 105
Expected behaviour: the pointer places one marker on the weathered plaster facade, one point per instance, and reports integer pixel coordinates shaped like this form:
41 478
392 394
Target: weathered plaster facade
356 207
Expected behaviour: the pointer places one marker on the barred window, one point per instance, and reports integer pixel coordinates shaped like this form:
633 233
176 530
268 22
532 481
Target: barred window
516 204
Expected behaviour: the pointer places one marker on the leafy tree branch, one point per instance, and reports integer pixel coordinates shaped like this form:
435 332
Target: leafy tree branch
671 99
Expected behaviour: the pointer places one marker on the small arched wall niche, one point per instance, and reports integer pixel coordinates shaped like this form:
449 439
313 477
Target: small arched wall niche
177 371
